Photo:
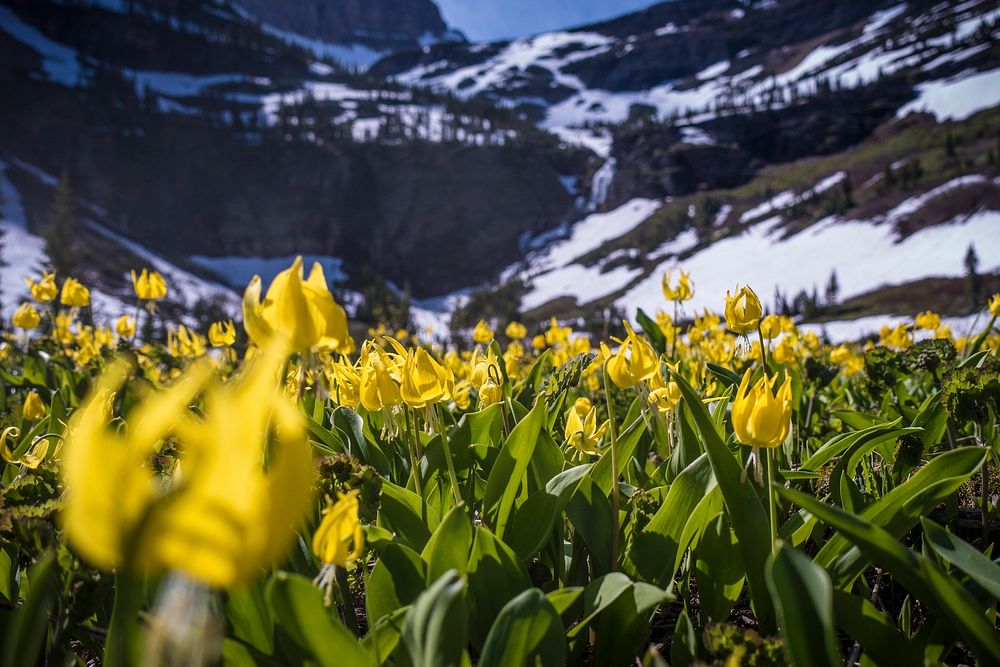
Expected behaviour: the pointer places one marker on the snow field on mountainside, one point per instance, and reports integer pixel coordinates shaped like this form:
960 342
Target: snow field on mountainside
865 255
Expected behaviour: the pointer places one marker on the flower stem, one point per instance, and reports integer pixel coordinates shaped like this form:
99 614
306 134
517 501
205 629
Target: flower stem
763 353
772 509
613 428
447 457
411 448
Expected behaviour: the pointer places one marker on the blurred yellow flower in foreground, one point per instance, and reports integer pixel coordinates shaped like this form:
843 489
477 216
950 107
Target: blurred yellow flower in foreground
301 310
762 417
222 518
125 326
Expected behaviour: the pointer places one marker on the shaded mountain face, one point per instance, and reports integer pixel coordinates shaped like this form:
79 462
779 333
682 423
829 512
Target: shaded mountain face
380 24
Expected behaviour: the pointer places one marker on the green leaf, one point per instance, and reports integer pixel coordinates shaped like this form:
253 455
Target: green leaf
684 647
25 636
839 444
448 548
435 630
350 423
402 509
964 556
941 593
728 377
298 608
396 580
496 576
877 634
899 510
532 523
628 440
718 570
624 624
589 512
803 595
746 512
385 634
236 653
250 617
657 550
510 467
652 330
528 631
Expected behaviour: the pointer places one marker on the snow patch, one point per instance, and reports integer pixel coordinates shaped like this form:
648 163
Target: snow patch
956 98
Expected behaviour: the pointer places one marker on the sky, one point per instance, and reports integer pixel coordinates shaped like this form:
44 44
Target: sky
482 20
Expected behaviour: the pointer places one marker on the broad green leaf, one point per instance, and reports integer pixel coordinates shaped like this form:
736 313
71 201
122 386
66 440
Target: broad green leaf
964 556
510 467
403 511
449 546
839 444
684 647
25 633
589 512
298 608
656 550
718 570
385 634
652 330
623 626
496 576
435 630
877 634
395 581
941 593
628 440
598 595
236 653
746 512
528 631
533 522
803 596
248 613
899 510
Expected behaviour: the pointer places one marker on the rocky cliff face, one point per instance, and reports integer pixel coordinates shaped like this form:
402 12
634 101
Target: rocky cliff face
380 24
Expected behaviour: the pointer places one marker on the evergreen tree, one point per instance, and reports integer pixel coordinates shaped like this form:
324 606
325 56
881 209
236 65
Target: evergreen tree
832 289
972 280
60 239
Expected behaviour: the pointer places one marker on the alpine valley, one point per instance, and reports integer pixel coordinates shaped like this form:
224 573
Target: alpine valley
846 150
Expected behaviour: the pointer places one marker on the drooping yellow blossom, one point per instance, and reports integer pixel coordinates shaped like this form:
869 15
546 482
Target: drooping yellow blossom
26 317
770 327
222 334
345 383
301 310
484 367
489 393
31 458
928 320
45 290
516 331
34 409
994 305
684 290
634 361
228 515
582 432
482 333
339 540
149 285
183 342
538 342
665 399
125 326
378 382
74 294
896 338
424 381
784 352
743 311
762 418
943 332
462 394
